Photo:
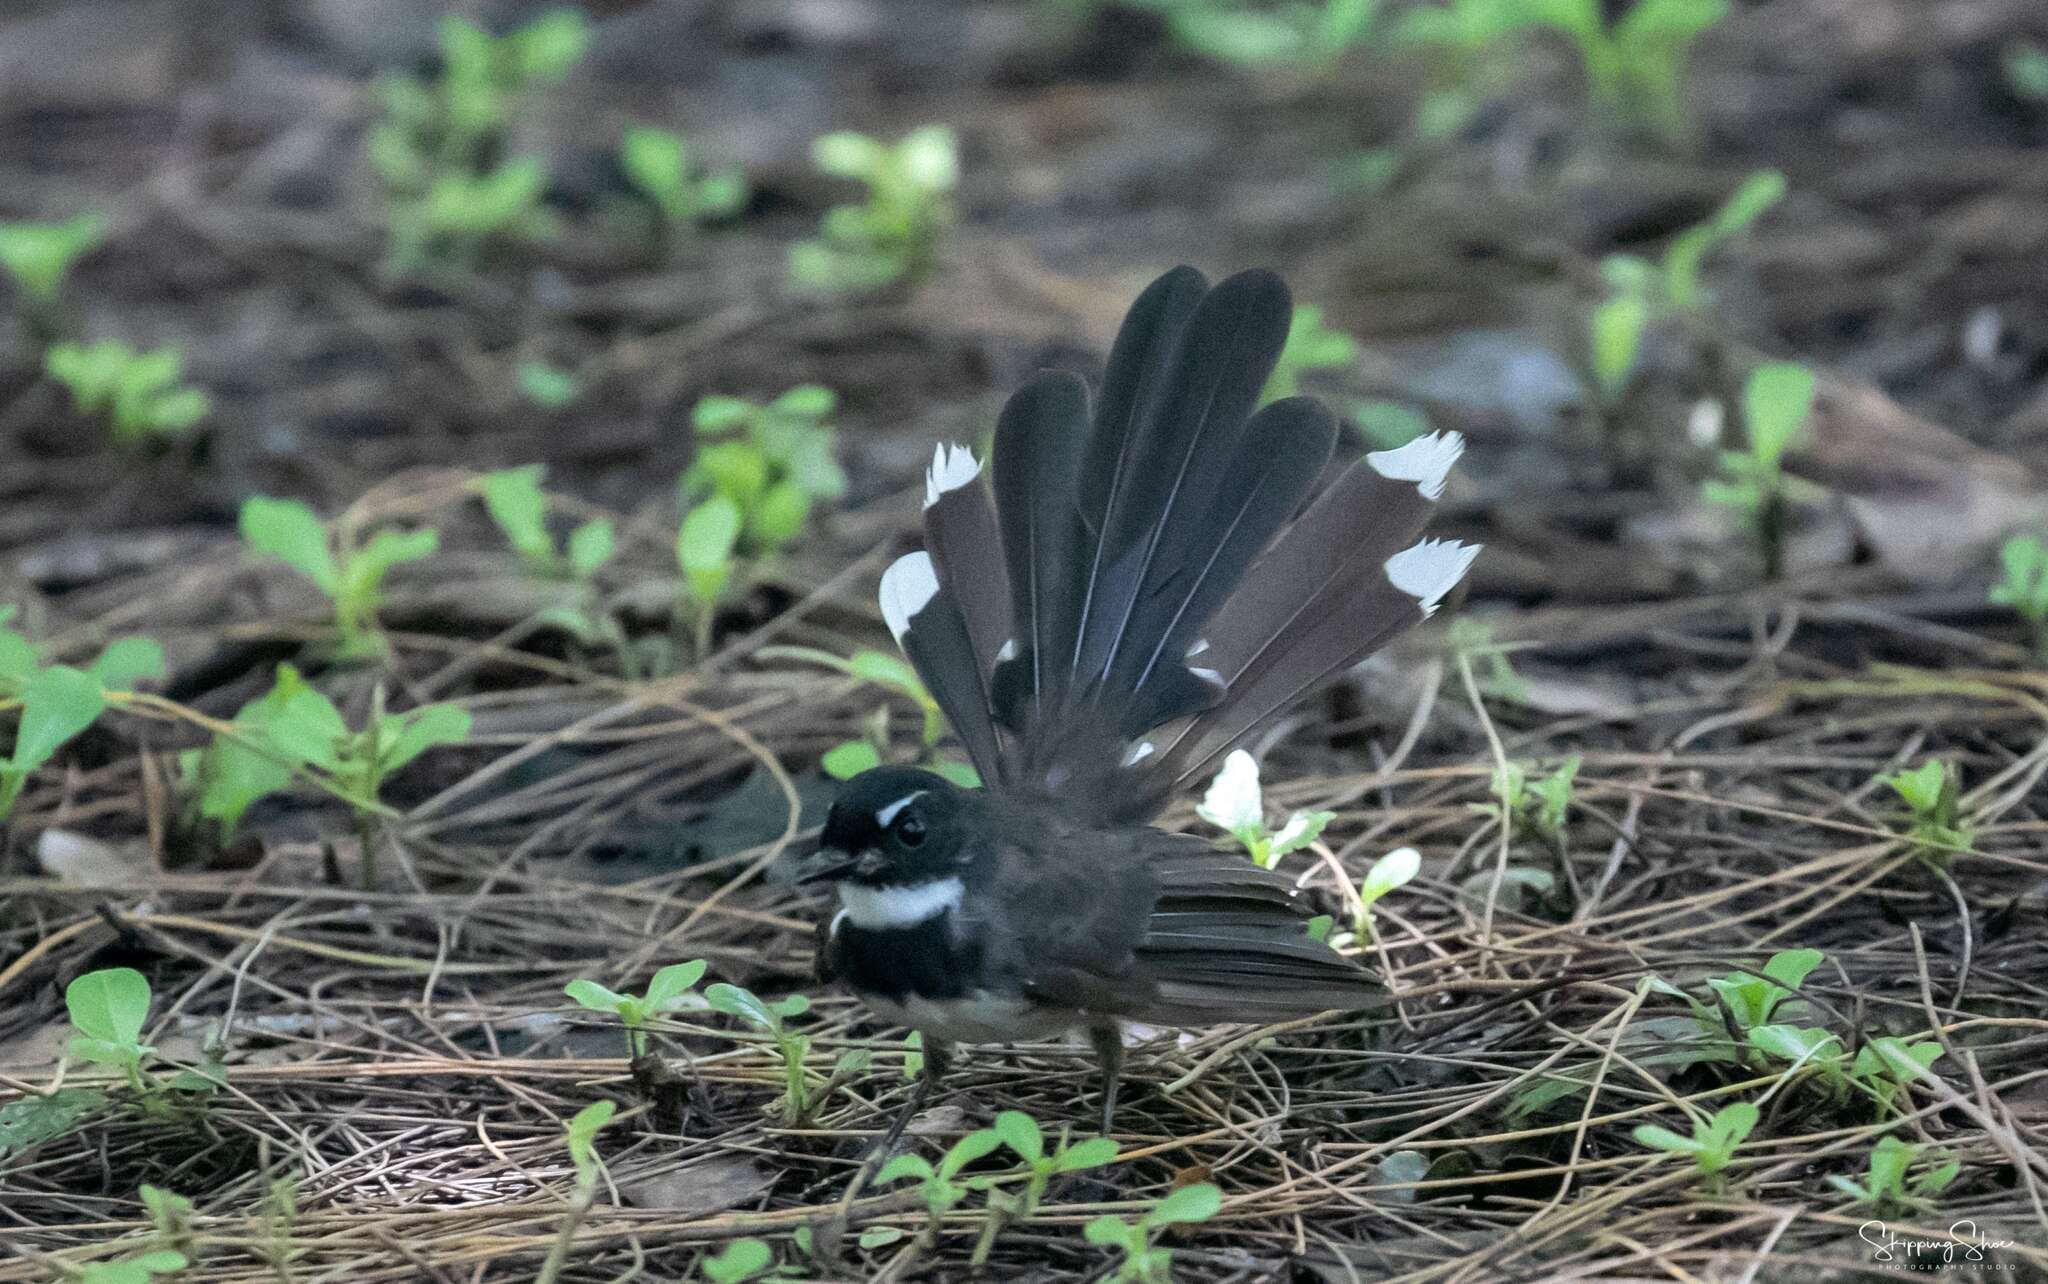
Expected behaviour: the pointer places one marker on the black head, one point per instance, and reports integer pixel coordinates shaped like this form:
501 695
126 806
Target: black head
892 827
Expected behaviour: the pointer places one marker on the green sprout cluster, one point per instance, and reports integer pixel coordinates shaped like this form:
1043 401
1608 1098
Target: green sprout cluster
944 1187
759 471
1642 294
680 194
1145 1260
1713 1141
139 394
801 1094
1932 793
668 990
1234 804
893 236
351 578
439 149
295 731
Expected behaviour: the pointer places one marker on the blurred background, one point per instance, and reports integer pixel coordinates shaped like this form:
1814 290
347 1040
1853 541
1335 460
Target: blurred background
382 235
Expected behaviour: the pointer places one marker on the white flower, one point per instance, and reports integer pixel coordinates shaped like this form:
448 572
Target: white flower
1233 802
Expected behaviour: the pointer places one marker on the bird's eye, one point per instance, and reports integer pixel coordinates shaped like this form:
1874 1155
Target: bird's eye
909 829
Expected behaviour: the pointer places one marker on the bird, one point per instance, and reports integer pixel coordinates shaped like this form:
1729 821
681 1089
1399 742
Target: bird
1150 572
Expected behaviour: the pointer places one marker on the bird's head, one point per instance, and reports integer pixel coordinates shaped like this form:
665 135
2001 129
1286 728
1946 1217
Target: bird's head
895 844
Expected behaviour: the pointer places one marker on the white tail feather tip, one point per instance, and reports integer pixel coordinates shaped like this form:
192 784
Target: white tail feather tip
1426 461
1430 569
909 583
952 467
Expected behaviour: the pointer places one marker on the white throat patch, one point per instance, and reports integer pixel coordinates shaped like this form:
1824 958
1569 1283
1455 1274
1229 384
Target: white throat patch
882 907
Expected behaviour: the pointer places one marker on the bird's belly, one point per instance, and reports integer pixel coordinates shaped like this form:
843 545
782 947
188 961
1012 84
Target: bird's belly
979 1017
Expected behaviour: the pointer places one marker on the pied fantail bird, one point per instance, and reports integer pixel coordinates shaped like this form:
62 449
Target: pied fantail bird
1140 588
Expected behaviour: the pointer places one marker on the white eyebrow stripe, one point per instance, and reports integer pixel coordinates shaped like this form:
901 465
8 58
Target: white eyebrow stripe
883 907
887 815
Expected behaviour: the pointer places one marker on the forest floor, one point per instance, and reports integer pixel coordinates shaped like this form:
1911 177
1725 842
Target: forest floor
395 1066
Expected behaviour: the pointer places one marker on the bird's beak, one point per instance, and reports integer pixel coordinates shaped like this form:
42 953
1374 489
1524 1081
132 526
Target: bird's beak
822 864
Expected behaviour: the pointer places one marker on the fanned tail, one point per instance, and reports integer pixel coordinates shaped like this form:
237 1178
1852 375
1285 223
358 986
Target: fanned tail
1138 593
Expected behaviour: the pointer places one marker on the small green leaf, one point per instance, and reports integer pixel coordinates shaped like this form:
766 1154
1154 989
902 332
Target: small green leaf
590 547
1776 402
288 530
594 996
1617 326
671 983
1093 1153
1657 1138
715 415
110 1004
56 704
1394 870
975 1145
742 1259
32 1120
128 661
875 1237
1020 1133
422 729
547 387
704 547
848 759
902 1166
744 1004
582 1133
1196 1203
514 499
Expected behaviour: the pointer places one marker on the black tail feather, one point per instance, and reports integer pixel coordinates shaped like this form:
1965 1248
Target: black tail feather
1144 579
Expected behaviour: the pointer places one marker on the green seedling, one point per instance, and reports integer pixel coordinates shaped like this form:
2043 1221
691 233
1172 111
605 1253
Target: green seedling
133 1270
773 461
1635 65
546 386
849 758
1022 1135
1310 346
295 730
741 1259
1534 809
352 578
1932 791
1235 805
1642 294
1713 1142
1891 1188
1777 401
1390 872
2025 63
892 237
108 1009
658 164
138 393
1307 35
940 1184
38 257
799 1097
1144 1261
517 504
2024 561
439 148
170 1217
580 1136
669 990
706 548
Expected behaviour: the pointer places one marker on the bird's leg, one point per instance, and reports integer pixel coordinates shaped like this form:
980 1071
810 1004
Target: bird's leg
938 1058
1109 1053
